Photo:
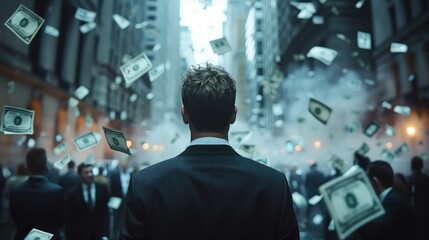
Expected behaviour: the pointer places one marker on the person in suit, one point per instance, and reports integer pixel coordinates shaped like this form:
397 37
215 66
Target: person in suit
313 180
37 203
87 207
70 179
398 221
419 183
209 191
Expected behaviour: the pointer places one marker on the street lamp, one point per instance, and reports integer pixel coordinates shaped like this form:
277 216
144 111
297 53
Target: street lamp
411 130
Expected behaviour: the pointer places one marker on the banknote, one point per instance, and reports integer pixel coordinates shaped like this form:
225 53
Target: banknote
133 97
87 27
24 23
220 45
52 31
237 137
17 120
402 110
81 92
90 159
359 3
398 47
351 201
247 148
156 72
36 234
114 202
73 102
135 68
325 55
116 140
319 110
387 155
60 148
62 162
389 131
364 148
315 199
85 15
263 160
371 129
85 141
121 21
336 162
363 40
402 149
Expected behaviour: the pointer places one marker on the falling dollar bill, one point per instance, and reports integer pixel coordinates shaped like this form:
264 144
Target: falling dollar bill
315 199
220 46
325 55
133 97
121 21
336 162
156 72
386 155
398 47
238 137
116 140
359 4
87 27
371 129
319 110
85 15
17 120
351 201
90 159
85 141
389 131
263 160
247 148
60 148
402 149
402 110
364 148
363 40
299 200
81 92
135 68
36 234
24 23
52 31
62 162
114 202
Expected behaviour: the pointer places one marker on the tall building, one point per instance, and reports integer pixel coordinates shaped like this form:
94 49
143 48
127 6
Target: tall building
261 51
43 75
403 76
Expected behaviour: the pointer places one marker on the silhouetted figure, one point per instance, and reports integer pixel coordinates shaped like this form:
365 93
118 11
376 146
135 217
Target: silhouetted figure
419 183
87 207
361 160
70 179
37 203
209 191
398 222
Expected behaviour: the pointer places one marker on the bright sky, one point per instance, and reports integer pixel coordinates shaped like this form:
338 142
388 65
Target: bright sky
205 24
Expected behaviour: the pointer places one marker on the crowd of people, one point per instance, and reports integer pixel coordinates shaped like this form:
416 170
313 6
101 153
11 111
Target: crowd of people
208 191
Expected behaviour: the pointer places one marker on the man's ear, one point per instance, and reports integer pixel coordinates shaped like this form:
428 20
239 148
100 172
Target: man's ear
233 115
185 116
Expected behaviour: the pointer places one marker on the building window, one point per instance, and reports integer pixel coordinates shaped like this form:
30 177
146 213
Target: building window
151 17
151 8
260 71
259 47
392 18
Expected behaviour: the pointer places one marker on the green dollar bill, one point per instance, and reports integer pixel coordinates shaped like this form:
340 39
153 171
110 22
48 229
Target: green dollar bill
24 23
116 140
17 120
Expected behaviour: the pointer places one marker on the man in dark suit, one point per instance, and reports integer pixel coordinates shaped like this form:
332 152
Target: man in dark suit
70 179
37 203
397 222
87 208
209 191
313 180
419 183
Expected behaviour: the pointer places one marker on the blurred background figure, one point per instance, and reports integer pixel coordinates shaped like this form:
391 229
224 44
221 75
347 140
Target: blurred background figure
11 183
70 179
419 183
37 203
52 173
87 207
101 176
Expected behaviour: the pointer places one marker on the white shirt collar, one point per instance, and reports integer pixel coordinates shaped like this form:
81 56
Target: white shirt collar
209 141
383 194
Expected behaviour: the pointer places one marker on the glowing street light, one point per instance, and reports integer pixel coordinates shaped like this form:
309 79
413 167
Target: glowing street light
317 144
129 143
145 146
411 131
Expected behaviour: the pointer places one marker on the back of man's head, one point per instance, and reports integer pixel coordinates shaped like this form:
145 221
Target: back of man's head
71 165
416 163
208 95
36 161
382 171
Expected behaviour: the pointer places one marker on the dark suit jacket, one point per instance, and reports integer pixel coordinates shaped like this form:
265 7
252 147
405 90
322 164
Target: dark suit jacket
313 180
38 203
209 192
82 222
397 223
69 180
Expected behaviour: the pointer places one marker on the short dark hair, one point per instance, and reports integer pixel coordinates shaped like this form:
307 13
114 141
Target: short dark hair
416 163
208 95
36 161
382 171
82 166
71 164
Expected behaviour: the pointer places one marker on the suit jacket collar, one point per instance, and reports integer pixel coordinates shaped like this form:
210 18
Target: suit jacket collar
209 150
37 179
